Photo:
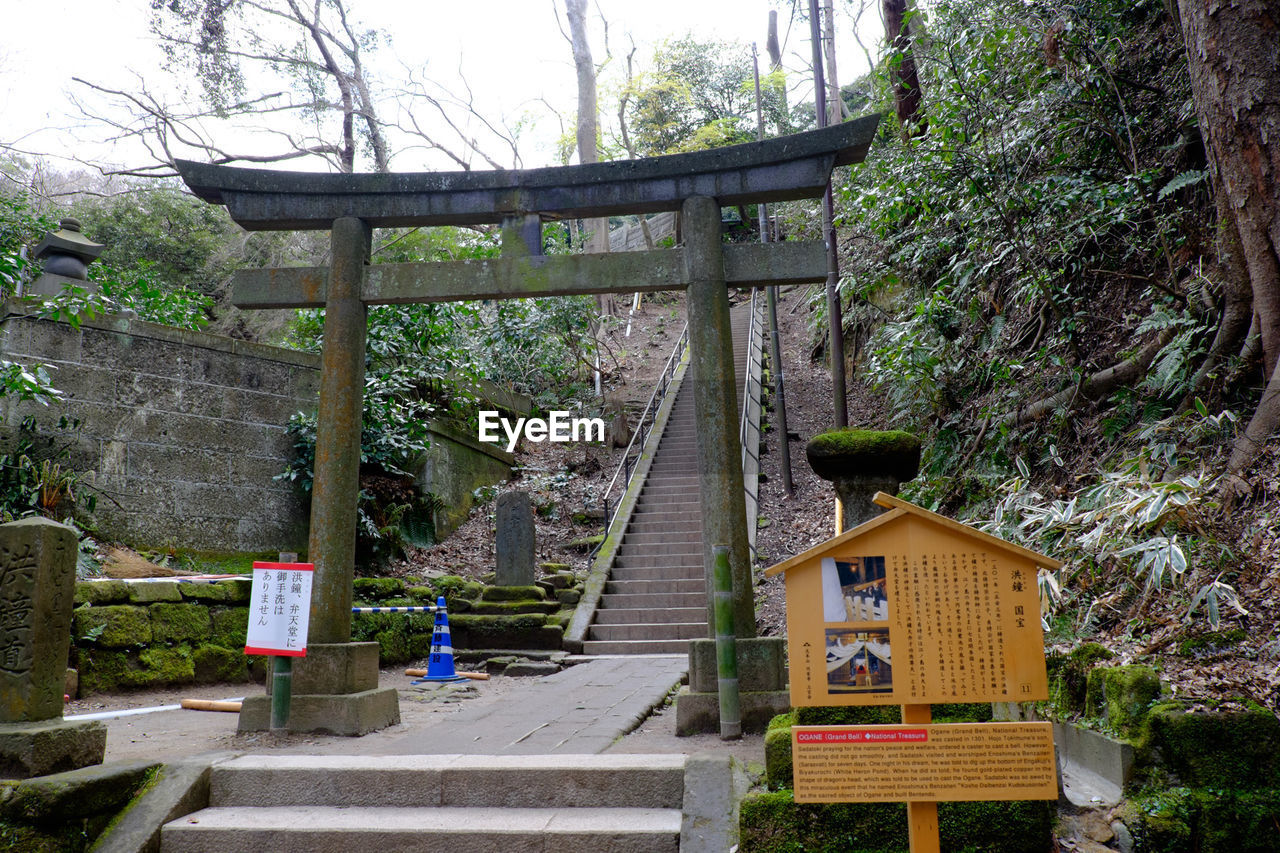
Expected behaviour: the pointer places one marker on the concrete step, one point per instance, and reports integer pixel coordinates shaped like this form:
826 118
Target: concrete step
634 558
675 473
652 600
679 513
657 573
637 615
649 631
497 781
635 647
674 586
329 829
656 544
675 524
675 466
671 484
689 559
664 499
670 503
674 548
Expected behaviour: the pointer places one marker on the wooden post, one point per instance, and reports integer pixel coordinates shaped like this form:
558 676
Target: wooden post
922 818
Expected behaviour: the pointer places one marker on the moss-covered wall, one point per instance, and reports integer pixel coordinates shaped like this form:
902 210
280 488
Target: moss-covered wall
775 823
66 812
1205 781
157 633
509 618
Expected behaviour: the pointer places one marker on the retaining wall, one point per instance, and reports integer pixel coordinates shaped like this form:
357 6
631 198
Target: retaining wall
144 634
186 430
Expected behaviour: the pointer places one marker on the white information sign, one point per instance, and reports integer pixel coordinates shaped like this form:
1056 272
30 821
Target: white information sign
279 609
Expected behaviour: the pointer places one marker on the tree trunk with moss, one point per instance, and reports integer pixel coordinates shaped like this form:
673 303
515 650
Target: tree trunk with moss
1233 51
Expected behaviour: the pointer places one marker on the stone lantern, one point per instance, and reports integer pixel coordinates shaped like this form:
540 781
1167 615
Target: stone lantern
66 254
861 462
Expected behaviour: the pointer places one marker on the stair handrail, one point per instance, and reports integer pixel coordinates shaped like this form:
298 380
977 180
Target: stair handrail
755 354
646 418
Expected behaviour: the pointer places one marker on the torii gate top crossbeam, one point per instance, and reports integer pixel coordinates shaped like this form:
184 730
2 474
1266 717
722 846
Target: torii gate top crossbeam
784 168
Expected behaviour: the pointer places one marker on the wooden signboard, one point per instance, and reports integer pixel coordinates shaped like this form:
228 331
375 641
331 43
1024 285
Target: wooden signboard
914 608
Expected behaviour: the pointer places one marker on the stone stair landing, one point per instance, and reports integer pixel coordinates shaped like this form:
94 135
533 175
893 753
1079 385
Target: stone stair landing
459 803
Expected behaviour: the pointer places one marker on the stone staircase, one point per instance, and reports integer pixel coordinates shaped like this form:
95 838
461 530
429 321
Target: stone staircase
655 600
459 803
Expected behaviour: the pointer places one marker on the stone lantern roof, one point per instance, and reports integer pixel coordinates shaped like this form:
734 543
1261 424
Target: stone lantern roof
66 254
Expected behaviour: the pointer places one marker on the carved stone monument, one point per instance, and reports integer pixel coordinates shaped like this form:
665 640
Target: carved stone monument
515 540
37 591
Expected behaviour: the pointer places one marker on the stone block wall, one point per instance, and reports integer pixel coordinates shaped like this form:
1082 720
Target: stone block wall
146 634
454 466
160 633
186 430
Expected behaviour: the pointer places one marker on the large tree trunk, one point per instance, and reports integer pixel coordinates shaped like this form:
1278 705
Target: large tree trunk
1237 302
907 94
775 65
588 124
1233 51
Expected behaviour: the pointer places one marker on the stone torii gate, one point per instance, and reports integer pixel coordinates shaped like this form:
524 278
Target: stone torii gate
335 686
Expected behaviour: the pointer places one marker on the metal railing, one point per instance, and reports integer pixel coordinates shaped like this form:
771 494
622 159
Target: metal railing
749 422
627 465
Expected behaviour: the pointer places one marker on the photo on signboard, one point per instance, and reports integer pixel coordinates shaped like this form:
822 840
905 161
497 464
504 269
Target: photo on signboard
859 661
854 590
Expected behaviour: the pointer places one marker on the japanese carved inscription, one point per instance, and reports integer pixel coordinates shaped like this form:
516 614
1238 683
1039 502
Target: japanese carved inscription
37 589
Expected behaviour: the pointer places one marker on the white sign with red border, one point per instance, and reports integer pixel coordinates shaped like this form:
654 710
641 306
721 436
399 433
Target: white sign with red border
279 609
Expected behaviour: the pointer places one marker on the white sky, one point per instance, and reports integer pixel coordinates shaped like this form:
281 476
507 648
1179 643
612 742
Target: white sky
511 52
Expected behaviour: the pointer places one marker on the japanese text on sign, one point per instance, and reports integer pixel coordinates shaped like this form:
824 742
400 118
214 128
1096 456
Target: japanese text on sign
279 609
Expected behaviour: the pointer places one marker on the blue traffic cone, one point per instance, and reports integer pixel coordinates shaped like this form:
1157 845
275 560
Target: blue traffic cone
440 663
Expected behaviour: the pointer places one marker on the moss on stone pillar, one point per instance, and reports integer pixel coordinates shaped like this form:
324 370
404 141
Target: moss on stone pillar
861 462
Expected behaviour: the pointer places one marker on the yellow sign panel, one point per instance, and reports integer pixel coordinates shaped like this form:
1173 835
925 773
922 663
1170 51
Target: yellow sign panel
943 763
906 609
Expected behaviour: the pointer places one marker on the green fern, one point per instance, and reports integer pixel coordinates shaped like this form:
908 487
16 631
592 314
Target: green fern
1182 181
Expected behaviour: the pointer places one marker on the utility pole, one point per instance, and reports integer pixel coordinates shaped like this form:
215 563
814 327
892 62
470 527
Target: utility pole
834 314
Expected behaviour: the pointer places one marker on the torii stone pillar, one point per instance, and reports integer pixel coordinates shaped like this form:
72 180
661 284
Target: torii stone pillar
715 399
340 417
335 687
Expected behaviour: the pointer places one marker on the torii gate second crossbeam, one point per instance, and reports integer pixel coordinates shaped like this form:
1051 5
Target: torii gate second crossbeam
350 206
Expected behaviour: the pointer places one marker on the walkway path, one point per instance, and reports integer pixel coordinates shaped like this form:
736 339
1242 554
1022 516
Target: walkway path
583 708
591 704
